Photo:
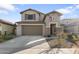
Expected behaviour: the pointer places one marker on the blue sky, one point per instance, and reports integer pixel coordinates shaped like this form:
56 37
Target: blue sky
11 12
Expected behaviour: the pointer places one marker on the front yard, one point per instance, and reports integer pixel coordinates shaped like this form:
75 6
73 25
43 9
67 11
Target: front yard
65 40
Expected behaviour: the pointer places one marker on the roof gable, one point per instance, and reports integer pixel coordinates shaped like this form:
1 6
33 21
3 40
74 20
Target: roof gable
51 13
54 12
31 10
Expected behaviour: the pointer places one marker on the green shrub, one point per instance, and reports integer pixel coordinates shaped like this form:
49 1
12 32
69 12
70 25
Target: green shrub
6 37
75 37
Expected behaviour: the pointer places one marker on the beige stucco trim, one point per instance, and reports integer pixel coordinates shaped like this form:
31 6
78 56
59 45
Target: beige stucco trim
43 30
18 30
30 20
30 24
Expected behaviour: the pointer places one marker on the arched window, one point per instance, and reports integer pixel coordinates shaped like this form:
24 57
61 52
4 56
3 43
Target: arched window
50 18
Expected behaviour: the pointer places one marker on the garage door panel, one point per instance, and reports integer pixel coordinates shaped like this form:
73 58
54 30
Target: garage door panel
32 29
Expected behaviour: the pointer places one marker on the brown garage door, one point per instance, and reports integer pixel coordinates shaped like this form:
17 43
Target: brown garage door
32 30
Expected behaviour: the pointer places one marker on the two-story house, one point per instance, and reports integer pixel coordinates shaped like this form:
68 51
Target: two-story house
34 22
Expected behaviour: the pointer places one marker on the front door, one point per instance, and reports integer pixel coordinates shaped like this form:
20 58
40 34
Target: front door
52 29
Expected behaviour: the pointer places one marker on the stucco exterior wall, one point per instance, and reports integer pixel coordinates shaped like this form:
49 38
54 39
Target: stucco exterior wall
7 28
44 30
0 27
41 17
54 20
32 12
47 32
18 30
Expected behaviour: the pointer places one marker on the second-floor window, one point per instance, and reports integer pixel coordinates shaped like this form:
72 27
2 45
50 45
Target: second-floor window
30 16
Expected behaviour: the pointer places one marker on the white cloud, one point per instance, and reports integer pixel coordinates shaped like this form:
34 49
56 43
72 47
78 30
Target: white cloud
3 12
73 16
5 8
70 11
77 6
66 10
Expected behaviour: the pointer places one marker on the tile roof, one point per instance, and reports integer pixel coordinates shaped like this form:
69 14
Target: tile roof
6 22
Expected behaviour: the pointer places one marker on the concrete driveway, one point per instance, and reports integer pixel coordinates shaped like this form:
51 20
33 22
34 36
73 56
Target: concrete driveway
20 43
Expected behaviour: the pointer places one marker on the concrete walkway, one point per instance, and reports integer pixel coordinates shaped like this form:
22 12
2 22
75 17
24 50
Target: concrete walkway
20 43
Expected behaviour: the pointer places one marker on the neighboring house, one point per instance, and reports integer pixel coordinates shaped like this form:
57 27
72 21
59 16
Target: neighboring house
71 25
37 23
68 21
6 27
